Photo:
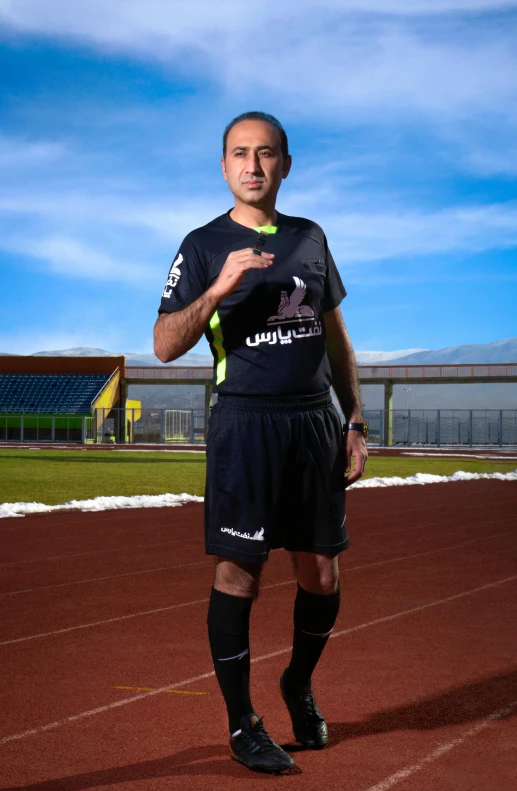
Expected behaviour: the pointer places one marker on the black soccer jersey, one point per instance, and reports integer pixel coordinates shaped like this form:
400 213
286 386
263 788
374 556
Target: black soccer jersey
268 336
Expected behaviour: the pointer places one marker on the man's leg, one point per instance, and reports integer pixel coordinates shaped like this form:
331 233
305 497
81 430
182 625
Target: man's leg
244 450
315 612
235 587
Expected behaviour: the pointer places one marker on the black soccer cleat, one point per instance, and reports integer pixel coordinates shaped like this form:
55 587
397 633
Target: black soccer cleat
255 748
309 727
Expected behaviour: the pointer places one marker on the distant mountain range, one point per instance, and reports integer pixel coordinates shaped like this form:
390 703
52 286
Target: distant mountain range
426 396
191 358
504 351
498 352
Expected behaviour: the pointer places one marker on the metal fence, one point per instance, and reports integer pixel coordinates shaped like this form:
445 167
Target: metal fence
37 428
413 427
148 426
460 427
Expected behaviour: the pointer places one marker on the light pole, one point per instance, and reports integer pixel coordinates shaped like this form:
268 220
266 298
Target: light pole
408 390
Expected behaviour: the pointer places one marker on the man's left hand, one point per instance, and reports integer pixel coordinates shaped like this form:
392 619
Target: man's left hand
355 448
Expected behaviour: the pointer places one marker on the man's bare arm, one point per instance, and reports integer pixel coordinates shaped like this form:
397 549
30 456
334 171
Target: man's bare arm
176 333
342 363
346 385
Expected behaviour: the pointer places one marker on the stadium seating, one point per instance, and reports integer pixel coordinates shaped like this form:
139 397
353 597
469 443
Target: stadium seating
70 394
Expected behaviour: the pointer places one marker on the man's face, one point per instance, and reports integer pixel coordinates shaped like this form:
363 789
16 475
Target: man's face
254 166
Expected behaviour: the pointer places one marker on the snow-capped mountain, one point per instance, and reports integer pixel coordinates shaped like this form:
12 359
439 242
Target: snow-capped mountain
191 358
485 396
504 351
372 358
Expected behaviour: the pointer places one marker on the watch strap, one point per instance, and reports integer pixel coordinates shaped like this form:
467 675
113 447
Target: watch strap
361 427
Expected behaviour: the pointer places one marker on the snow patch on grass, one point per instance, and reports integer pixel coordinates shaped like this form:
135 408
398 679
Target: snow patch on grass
172 500
101 504
421 478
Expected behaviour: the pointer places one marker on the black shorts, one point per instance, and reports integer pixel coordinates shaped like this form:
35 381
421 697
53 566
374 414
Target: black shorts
275 477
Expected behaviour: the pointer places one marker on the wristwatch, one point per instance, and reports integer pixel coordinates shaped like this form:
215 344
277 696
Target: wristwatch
362 427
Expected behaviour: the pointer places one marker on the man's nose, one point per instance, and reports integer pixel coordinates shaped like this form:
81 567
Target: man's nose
253 165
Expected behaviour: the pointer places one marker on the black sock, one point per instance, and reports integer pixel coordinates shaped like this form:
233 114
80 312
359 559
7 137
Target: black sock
228 632
314 619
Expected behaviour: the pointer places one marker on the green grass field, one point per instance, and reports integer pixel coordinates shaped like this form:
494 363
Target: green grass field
52 476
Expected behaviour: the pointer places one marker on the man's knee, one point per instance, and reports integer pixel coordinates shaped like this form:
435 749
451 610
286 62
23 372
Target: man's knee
236 578
317 573
326 582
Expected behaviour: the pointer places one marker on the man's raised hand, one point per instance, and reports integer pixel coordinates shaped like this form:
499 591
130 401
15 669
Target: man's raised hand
235 268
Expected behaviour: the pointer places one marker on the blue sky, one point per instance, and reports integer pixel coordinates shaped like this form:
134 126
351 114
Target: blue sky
402 121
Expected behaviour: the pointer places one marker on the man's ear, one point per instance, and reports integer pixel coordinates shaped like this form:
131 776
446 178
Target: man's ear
288 161
223 167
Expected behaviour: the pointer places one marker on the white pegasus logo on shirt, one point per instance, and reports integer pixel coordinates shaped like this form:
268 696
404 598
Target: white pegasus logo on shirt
290 311
174 276
291 307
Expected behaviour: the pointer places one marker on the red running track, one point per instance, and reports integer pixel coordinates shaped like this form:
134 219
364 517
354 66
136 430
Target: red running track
419 684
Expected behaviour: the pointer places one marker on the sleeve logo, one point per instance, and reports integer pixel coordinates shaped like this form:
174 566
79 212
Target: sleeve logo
174 276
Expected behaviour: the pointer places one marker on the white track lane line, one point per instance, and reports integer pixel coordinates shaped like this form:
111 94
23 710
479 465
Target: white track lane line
101 623
205 562
498 457
264 587
103 447
403 557
394 512
158 450
424 525
97 579
371 515
442 749
101 552
176 685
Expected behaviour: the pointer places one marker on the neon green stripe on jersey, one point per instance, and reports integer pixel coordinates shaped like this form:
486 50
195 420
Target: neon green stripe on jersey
267 228
215 326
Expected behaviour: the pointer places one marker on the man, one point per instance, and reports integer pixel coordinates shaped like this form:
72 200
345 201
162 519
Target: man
264 288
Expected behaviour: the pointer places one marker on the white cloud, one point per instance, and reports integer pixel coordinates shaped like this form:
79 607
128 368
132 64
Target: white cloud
75 258
484 147
167 220
417 7
367 237
137 23
129 235
365 57
372 62
356 237
20 152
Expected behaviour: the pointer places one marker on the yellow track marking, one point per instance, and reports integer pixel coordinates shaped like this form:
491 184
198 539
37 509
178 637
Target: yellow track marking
172 691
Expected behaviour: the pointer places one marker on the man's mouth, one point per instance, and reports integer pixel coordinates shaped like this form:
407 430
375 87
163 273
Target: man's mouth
253 185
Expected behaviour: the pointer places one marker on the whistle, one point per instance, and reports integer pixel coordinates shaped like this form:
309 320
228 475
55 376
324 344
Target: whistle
259 244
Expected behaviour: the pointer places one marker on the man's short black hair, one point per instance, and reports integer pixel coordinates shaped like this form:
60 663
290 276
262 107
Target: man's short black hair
255 115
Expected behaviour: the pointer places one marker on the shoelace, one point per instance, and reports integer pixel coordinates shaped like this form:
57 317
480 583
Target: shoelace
310 709
262 739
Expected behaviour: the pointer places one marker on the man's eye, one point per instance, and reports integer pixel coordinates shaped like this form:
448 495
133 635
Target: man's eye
265 153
